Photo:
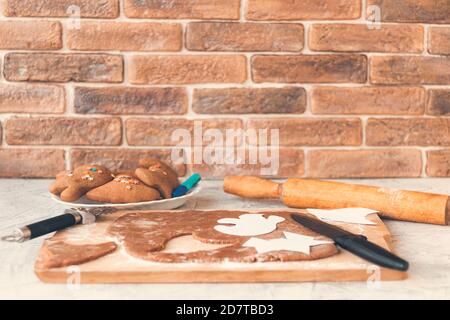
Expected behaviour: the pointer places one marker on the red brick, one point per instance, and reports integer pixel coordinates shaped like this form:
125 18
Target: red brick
122 159
369 100
128 100
61 8
30 35
359 38
187 69
410 70
63 131
51 67
291 164
31 98
425 11
28 163
312 132
439 40
220 36
158 132
364 163
439 102
182 9
310 68
408 132
250 100
303 9
438 163
125 36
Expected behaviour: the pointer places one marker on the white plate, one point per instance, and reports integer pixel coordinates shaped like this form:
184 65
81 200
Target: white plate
164 204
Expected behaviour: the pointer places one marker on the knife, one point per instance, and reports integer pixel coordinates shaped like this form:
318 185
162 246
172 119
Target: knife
356 244
71 217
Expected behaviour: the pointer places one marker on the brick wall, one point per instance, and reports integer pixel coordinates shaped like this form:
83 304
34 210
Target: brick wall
350 99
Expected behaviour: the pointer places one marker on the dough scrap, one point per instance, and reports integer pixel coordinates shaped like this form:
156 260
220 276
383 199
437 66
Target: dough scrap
57 254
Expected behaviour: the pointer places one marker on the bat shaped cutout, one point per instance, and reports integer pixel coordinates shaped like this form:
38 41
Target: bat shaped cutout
249 225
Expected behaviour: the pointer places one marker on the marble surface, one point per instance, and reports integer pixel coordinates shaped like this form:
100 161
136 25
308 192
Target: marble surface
427 247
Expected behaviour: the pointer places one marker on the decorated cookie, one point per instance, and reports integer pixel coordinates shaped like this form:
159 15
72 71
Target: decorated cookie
72 185
156 179
123 189
159 175
154 164
125 173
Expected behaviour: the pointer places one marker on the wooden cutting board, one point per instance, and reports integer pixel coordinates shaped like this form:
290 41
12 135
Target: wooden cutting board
118 266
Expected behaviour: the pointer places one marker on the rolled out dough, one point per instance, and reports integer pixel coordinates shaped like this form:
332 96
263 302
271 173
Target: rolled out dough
144 240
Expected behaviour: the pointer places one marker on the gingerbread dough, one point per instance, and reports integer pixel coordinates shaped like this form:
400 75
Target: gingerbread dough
61 254
144 236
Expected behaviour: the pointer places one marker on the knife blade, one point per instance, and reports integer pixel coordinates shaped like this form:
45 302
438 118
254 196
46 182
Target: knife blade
356 244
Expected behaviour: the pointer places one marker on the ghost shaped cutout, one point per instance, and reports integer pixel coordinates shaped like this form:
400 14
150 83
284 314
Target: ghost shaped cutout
249 225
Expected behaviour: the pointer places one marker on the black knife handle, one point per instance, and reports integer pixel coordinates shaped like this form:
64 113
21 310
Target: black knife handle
372 252
44 227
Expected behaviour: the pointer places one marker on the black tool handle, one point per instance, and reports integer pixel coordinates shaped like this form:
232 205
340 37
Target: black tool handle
44 227
372 252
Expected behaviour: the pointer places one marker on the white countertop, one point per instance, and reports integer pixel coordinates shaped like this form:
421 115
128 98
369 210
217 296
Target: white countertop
427 248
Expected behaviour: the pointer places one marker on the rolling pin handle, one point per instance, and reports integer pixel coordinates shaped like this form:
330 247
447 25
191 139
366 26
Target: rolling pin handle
447 212
252 187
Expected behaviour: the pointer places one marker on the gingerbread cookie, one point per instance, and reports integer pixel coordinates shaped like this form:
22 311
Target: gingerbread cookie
72 185
156 179
154 164
123 189
159 175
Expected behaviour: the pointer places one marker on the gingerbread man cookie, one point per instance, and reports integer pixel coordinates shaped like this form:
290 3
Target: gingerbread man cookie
157 174
154 164
72 185
123 189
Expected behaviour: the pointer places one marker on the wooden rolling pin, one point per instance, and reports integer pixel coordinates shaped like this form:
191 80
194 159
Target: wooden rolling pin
304 193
